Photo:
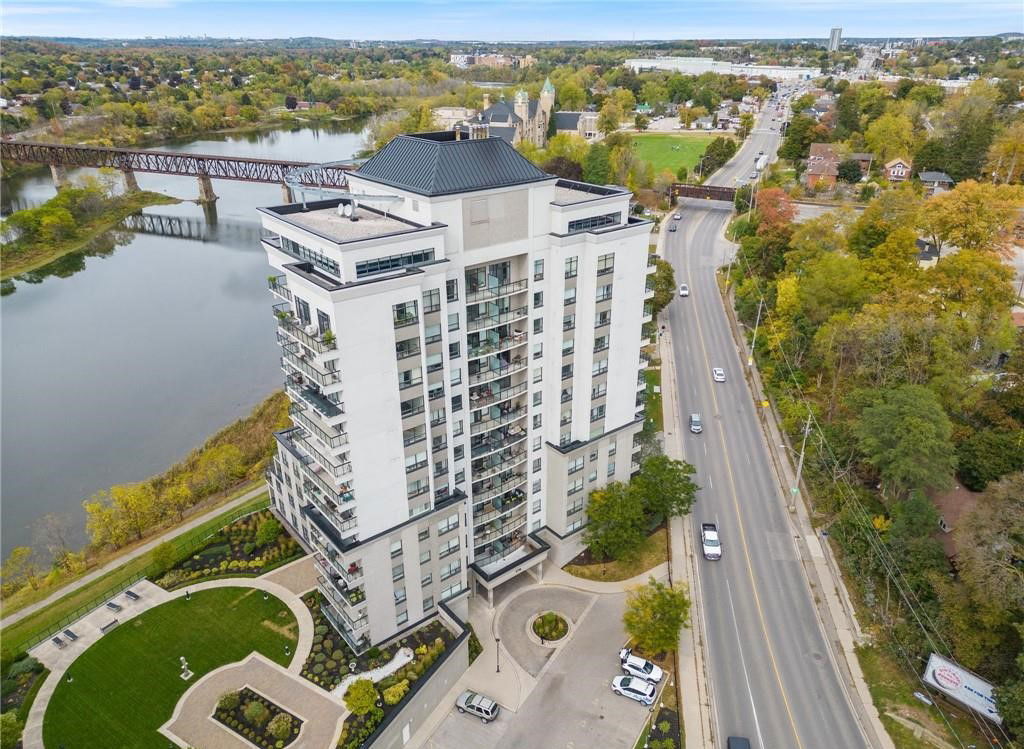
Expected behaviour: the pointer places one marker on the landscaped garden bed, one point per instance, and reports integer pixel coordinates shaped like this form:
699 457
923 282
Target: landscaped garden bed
329 660
257 719
653 552
250 546
665 733
21 681
550 626
124 687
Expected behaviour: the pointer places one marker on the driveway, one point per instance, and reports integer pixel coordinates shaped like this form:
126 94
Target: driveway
572 705
516 615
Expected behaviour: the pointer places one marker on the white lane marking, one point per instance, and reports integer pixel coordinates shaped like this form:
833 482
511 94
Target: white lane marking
711 484
743 662
705 448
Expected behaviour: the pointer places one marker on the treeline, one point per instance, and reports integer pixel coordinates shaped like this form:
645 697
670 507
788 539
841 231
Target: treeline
126 513
972 134
979 55
908 377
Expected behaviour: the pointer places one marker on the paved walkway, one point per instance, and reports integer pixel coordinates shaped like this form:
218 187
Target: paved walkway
121 559
58 660
299 576
557 576
193 725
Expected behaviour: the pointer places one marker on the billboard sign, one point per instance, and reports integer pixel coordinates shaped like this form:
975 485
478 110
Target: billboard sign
960 685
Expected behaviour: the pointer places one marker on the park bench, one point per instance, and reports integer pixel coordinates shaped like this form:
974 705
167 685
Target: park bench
108 626
58 642
132 595
70 635
113 606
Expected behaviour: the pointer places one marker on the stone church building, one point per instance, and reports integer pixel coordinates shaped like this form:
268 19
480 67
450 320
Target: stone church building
525 119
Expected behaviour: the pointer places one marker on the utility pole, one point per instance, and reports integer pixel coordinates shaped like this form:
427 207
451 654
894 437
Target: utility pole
795 490
750 356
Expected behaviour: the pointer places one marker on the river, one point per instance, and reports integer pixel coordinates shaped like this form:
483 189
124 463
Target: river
117 364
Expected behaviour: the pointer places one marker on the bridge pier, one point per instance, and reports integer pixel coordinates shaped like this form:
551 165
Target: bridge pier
286 193
206 193
130 183
60 175
210 211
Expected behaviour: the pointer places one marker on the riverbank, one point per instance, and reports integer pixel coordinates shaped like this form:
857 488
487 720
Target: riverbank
53 230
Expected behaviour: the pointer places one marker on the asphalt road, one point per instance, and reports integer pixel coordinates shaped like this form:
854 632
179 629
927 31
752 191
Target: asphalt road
773 678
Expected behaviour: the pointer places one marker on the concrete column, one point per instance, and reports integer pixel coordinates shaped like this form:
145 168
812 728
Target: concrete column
210 212
206 193
286 194
60 175
130 183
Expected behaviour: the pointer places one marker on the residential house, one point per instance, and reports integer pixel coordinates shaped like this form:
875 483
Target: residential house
822 166
897 170
935 182
448 117
704 123
583 124
864 161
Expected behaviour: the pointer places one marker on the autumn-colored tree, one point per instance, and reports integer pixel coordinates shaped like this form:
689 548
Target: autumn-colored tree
1005 162
974 215
890 136
774 208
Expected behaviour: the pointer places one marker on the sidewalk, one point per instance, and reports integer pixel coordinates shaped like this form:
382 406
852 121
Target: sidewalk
122 559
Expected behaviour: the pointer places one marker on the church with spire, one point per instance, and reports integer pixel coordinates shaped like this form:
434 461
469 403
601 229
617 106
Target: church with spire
525 119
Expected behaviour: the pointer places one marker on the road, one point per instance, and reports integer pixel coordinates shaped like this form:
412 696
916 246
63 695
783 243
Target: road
772 674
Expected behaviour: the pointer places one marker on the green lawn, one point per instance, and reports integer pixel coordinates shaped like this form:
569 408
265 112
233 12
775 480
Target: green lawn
671 151
126 685
655 412
653 552
16 634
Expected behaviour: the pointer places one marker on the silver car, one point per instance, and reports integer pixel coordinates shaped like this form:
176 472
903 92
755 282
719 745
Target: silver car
696 426
634 688
718 374
476 704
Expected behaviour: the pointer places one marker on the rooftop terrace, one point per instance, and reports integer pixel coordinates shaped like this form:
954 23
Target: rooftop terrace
570 192
321 217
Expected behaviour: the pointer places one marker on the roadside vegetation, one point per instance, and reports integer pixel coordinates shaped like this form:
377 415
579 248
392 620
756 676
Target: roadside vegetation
71 219
912 378
228 464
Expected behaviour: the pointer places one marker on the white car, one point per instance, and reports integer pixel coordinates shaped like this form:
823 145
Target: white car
678 216
718 374
684 290
695 424
634 665
634 688
482 707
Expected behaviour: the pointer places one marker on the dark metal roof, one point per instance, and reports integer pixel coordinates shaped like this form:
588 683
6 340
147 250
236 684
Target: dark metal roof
438 164
935 177
507 134
567 120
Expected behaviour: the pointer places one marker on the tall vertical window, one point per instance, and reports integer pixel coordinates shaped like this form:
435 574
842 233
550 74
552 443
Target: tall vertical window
538 270
323 322
605 264
431 300
302 310
452 288
571 265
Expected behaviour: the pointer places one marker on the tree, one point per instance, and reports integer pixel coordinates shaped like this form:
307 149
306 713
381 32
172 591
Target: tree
655 613
1005 161
10 730
268 531
774 208
906 436
361 697
615 522
20 568
664 286
988 455
849 171
571 97
1010 696
51 532
682 173
991 543
609 118
256 712
280 726
665 487
563 166
745 126
641 123
166 555
290 102
597 168
890 136
229 701
799 135
974 215
744 197
931 156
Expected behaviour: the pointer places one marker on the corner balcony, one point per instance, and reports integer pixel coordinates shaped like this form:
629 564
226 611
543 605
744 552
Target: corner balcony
332 439
278 285
348 576
496 291
307 335
302 392
354 632
293 362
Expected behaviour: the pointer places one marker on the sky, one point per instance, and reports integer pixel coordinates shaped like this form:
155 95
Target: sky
519 20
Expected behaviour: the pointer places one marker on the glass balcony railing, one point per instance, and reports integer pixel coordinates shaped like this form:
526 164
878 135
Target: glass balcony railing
492 292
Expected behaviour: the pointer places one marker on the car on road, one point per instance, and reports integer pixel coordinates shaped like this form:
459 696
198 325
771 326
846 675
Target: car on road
710 544
696 426
634 665
737 742
718 374
476 704
634 688
678 216
671 227
684 289
753 175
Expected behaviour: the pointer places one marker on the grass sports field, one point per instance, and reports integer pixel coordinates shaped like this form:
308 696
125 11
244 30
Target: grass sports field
666 151
125 686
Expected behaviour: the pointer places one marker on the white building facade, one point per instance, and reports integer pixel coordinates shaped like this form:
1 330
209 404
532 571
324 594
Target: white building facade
462 351
698 65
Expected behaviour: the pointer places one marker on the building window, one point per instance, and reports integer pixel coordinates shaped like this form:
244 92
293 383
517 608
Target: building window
397 572
453 321
304 253
566 394
571 265
574 526
536 421
405 349
605 264
538 374
410 378
568 322
537 441
568 346
453 350
538 325
396 548
536 465
538 350
611 449
460 450
452 288
456 399
432 333
424 534
401 618
425 556
431 301
566 371
434 362
448 549
393 262
592 477
611 467
426 580
460 476
538 299
576 464
428 603
448 524
576 506
452 569
595 222
537 398
604 293
600 367
569 297
536 486
597 413
451 591
575 486
538 270
600 343
603 318
599 390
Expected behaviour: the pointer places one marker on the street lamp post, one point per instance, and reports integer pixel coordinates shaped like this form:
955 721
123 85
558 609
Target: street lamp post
794 491
753 341
497 655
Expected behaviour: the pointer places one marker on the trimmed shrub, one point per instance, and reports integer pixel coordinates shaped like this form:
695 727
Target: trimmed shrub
337 655
256 713
228 701
318 668
361 697
281 726
393 695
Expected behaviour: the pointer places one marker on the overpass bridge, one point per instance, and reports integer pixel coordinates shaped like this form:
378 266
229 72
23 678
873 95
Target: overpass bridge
204 167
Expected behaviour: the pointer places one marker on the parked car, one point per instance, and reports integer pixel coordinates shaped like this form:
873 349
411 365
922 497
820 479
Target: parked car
476 704
695 424
634 688
718 374
684 290
634 665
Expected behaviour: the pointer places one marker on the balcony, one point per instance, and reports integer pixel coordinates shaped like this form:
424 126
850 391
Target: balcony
496 347
279 286
288 324
493 292
494 509
500 550
321 378
498 442
496 529
479 427
518 364
489 321
349 575
330 439
485 397
334 467
484 490
498 462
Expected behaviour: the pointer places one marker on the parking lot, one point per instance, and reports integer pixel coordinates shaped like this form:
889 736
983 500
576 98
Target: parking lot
572 705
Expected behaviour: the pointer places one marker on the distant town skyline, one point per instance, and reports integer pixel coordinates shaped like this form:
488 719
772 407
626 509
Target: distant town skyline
522 20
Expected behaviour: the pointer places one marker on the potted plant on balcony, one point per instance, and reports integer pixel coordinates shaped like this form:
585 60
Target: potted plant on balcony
328 337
